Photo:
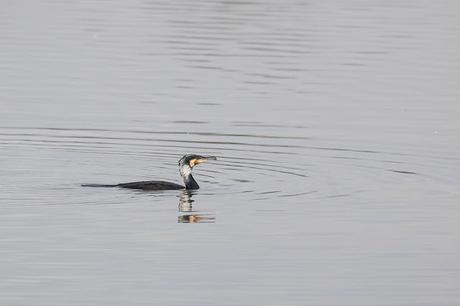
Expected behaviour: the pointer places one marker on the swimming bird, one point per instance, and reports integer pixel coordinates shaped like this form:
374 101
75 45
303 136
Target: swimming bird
186 164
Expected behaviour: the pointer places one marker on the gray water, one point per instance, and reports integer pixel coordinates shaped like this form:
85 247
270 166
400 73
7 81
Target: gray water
335 123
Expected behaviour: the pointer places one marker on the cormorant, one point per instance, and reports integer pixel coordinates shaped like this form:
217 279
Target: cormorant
186 164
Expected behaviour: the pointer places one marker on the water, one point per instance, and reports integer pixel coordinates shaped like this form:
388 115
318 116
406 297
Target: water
336 126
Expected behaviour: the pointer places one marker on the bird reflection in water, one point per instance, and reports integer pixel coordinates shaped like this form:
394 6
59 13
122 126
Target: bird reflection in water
186 209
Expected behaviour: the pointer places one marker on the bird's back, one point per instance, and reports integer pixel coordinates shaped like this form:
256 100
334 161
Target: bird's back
151 185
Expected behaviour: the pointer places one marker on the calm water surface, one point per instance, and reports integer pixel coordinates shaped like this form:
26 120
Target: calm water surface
336 125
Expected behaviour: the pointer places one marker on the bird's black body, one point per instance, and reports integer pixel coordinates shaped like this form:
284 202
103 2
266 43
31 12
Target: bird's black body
186 163
152 185
144 185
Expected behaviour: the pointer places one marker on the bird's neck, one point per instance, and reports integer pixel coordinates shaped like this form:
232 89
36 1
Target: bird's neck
190 182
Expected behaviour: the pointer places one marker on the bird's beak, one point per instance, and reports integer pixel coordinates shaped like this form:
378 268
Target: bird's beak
202 159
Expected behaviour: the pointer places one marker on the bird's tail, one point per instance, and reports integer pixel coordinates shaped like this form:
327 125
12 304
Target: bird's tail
98 185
